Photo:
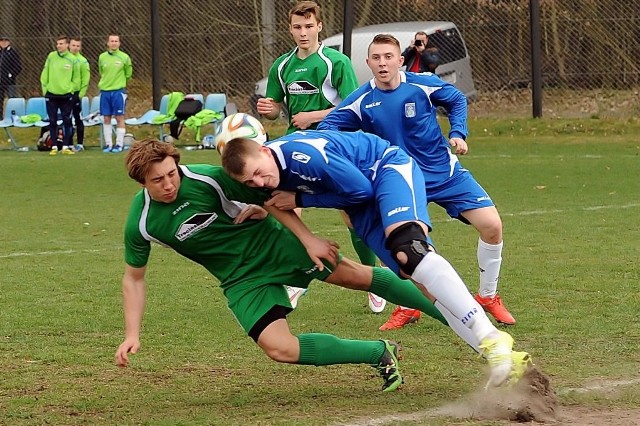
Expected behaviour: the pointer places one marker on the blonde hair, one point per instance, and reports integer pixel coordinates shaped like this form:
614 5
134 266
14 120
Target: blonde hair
143 154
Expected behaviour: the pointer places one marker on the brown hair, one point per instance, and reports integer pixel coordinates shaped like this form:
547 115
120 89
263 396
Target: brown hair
421 33
305 9
144 153
75 38
384 39
63 37
236 151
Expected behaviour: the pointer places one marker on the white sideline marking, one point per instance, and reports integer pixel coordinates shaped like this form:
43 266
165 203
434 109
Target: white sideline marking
52 253
525 213
438 412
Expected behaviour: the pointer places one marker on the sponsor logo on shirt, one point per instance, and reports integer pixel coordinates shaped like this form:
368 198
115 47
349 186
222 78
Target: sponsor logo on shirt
300 157
372 104
302 88
194 224
309 178
484 198
180 208
300 70
305 189
397 210
410 110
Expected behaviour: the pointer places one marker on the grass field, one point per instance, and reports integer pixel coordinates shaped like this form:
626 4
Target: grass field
569 195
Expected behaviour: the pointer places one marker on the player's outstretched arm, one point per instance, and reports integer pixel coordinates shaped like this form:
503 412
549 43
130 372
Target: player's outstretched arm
133 301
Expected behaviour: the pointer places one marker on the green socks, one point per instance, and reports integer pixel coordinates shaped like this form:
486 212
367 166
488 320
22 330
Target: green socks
365 254
327 349
394 289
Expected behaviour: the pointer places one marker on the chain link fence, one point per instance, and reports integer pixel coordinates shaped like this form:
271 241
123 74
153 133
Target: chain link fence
590 49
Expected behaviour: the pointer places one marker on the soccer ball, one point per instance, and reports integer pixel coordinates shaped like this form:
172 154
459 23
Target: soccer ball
239 125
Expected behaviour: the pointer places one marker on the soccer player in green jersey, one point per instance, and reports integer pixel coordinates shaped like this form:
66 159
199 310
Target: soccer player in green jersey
190 209
312 79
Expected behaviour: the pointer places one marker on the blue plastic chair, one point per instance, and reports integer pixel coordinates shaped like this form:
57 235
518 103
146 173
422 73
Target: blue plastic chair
17 105
147 117
216 102
35 106
13 104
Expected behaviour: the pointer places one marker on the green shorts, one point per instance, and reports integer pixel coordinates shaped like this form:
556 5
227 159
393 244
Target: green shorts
250 299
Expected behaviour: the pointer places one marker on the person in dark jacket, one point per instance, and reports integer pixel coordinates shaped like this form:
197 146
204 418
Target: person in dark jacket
10 67
427 53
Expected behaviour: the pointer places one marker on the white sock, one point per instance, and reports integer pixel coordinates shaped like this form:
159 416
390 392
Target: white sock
107 132
120 136
442 281
461 330
489 261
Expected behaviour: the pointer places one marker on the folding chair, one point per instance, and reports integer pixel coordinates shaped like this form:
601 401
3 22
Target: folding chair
147 117
37 106
17 105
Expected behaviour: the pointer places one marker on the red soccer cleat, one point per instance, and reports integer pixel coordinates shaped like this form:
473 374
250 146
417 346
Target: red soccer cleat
496 308
400 317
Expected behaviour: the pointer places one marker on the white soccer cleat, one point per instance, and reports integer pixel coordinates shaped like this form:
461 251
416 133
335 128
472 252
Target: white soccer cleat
497 352
376 303
294 294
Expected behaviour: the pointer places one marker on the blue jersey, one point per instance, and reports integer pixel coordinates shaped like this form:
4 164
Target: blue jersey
377 184
406 117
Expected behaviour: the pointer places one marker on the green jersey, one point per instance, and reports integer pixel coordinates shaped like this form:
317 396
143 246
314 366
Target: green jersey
85 74
115 70
317 82
60 74
199 226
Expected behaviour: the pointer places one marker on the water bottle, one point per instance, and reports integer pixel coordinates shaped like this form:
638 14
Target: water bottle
14 117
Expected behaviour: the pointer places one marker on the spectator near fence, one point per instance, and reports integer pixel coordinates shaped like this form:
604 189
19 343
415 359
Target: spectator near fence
421 55
10 67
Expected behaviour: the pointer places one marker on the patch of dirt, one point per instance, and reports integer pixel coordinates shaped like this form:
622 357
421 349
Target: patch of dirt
531 399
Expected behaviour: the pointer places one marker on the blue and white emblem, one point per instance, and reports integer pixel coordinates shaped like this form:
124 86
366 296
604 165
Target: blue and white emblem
410 110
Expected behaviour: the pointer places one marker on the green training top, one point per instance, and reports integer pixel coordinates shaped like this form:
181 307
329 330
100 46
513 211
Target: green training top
115 70
199 226
320 81
85 74
60 75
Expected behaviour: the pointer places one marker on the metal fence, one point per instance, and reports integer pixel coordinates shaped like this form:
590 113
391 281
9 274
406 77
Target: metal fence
590 48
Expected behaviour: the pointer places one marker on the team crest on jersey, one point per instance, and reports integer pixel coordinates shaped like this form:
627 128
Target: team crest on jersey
194 224
301 157
302 88
410 110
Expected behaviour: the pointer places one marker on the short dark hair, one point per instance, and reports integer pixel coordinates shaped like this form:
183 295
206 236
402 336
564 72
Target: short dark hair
236 151
63 37
384 39
305 9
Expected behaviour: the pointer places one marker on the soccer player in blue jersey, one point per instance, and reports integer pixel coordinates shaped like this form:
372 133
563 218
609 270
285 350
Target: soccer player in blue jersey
401 108
381 188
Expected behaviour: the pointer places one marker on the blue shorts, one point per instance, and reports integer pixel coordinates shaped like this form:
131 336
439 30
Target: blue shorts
461 193
399 197
112 102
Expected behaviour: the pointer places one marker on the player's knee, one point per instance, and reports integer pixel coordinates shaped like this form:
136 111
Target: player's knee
408 246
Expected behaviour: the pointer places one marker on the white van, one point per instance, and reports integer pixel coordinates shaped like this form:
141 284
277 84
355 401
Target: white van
455 64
